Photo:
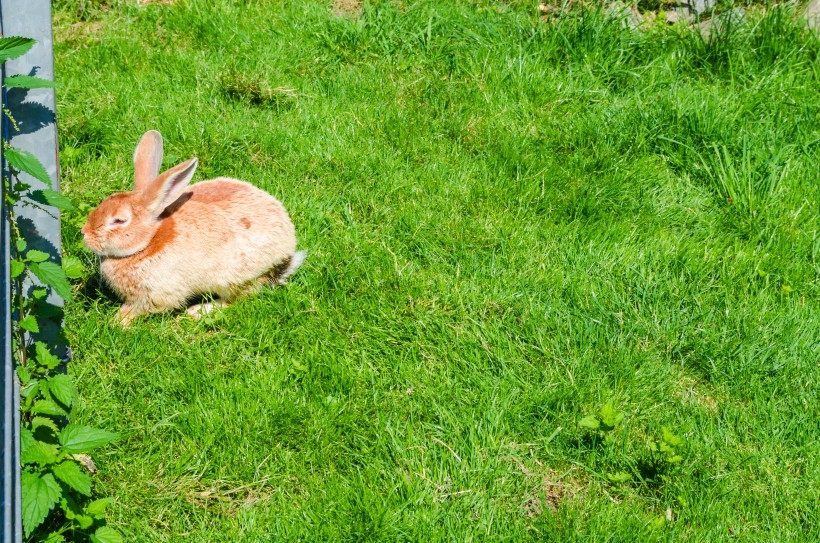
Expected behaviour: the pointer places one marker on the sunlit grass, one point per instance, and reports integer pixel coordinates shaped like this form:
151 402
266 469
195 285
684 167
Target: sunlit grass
509 223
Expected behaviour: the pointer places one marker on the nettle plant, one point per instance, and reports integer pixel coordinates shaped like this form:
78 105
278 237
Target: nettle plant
57 503
665 452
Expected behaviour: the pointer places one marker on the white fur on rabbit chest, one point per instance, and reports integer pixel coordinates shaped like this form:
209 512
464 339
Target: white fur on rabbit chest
225 234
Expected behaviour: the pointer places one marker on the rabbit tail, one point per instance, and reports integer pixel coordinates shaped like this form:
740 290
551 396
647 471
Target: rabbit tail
280 276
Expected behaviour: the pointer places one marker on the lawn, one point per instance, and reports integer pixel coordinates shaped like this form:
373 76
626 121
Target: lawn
517 228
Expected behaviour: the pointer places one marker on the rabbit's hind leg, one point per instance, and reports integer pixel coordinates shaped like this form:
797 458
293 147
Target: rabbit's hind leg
197 311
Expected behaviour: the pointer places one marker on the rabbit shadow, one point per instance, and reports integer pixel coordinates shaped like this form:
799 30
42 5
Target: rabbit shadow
95 290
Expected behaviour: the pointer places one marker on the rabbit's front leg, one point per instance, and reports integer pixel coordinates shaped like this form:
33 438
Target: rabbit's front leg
126 315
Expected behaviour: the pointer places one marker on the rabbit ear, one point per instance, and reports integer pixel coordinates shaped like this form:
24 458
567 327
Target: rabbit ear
165 189
147 159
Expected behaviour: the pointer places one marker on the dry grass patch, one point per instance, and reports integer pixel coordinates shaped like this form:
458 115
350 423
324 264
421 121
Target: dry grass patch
347 8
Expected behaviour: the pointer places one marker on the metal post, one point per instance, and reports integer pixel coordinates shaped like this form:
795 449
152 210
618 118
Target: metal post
36 132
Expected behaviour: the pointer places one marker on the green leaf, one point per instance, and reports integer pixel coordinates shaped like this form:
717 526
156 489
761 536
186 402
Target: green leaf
610 417
76 438
17 268
620 477
39 293
38 422
96 508
28 82
29 323
84 521
51 198
14 46
44 356
39 452
24 375
105 534
37 256
30 390
26 440
590 422
73 267
62 387
52 275
671 439
39 496
70 507
48 407
21 245
70 473
54 537
24 161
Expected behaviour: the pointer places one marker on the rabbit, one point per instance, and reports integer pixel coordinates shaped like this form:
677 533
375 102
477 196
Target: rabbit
165 242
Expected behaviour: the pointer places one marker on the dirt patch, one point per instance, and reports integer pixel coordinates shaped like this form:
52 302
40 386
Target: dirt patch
692 392
77 32
553 487
219 496
347 8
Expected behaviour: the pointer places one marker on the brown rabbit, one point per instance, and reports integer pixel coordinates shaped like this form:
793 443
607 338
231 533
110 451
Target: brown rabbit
164 243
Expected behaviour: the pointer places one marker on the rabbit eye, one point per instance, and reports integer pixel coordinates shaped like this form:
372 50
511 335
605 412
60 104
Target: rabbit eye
117 221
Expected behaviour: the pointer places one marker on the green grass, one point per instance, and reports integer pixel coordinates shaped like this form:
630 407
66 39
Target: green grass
510 223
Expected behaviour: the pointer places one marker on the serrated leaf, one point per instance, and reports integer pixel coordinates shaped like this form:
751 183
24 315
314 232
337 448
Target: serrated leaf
28 82
29 323
610 417
76 438
62 387
44 356
106 534
29 391
24 375
51 198
54 537
590 422
619 477
39 293
38 422
48 407
20 244
97 508
70 506
39 496
671 439
14 46
39 452
26 440
17 268
70 473
52 275
73 267
37 256
24 161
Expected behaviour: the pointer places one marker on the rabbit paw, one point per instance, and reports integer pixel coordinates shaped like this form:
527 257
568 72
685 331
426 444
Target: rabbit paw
200 310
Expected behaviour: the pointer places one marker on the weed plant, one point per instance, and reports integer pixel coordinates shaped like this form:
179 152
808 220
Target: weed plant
514 226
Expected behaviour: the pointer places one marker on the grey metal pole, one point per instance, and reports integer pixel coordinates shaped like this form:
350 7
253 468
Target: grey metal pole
36 131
